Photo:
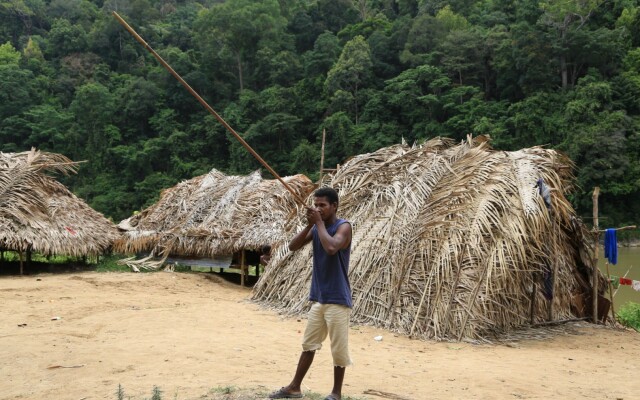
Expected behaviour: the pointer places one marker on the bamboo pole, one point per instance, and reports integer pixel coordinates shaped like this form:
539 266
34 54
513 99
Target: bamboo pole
609 284
613 312
624 276
594 278
623 228
324 135
207 107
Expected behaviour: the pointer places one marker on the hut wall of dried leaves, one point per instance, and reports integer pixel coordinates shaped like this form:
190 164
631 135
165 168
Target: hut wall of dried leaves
214 214
39 214
449 241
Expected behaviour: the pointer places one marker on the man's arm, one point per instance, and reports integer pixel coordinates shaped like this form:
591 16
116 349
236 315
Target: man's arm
301 238
337 242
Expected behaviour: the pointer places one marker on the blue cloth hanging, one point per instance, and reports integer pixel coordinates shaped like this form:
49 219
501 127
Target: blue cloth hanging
611 246
544 191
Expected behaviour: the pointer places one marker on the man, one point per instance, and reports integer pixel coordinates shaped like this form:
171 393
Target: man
265 257
330 292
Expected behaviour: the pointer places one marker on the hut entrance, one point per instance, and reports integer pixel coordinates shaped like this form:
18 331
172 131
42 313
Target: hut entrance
244 260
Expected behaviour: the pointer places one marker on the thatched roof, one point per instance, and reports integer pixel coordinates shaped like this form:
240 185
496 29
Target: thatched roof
448 240
38 213
215 214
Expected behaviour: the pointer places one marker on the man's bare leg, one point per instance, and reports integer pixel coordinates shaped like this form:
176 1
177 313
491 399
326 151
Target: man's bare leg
304 363
338 378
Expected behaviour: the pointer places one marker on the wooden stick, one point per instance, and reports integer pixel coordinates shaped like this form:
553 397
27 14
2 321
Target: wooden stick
554 273
242 267
561 321
208 107
594 278
624 228
625 275
533 301
613 313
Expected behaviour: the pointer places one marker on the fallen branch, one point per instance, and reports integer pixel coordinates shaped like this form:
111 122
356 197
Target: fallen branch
385 394
66 366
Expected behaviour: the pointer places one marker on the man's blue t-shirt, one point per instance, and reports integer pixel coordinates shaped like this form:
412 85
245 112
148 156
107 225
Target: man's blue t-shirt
330 280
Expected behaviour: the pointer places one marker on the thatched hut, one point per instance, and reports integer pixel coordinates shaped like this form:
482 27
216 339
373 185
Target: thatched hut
213 215
38 214
450 241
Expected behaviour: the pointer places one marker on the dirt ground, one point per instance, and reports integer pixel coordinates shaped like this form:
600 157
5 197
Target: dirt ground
195 334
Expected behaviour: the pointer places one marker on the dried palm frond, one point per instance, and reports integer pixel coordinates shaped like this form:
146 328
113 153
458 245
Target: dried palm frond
215 214
449 240
38 213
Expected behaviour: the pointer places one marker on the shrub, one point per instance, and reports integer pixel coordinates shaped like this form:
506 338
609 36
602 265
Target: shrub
629 315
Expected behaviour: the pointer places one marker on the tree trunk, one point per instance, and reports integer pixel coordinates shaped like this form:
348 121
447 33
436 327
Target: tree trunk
563 61
240 79
563 71
356 101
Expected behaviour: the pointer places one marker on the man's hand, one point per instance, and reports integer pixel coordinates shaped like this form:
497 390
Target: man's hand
313 216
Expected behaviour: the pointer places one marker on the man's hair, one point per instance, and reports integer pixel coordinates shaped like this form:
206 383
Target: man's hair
327 192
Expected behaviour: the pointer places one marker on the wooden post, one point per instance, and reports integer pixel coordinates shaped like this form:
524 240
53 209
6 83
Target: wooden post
554 271
324 134
594 278
533 302
21 262
613 312
242 267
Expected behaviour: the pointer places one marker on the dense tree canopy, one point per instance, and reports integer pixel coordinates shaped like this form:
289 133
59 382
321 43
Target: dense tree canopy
369 72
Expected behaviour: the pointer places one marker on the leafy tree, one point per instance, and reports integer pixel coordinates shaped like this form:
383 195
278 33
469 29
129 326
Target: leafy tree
326 51
16 92
234 31
334 15
422 40
461 55
48 125
304 158
66 38
81 12
340 142
9 55
93 132
565 18
351 72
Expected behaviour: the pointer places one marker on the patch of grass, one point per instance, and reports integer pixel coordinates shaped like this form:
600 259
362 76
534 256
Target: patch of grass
11 256
234 393
156 394
223 389
629 315
318 396
110 264
120 392
182 268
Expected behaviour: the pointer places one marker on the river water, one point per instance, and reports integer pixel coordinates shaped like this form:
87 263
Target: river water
628 260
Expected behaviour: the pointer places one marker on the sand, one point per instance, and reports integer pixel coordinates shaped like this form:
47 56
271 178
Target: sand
195 334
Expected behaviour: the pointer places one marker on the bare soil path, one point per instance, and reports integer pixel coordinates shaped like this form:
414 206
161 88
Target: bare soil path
191 333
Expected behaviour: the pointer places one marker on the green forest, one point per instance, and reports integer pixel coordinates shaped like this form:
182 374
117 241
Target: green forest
372 73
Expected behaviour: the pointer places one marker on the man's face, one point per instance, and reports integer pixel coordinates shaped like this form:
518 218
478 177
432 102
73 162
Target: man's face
326 209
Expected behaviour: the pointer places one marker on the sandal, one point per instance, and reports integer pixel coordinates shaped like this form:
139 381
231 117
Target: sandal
283 394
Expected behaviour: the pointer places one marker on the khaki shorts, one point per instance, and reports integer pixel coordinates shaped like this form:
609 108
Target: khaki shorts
332 320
